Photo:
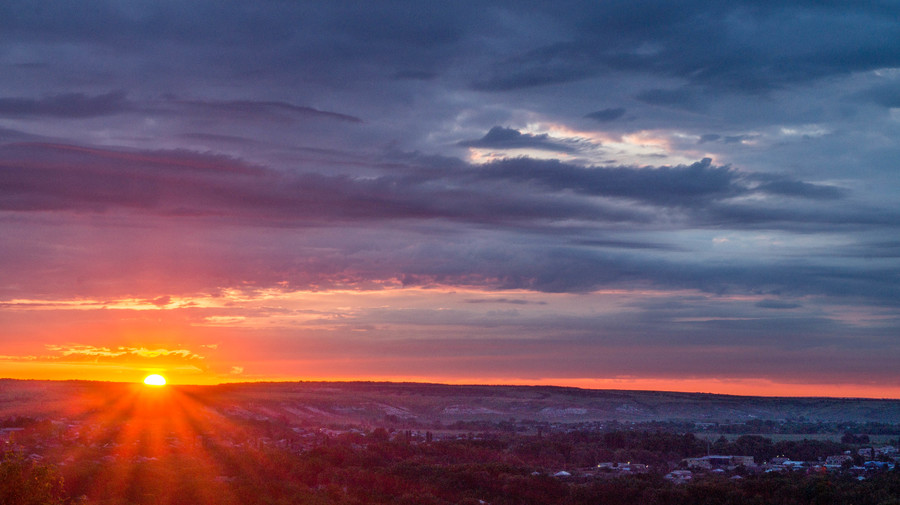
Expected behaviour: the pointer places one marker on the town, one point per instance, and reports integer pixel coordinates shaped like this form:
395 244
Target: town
159 450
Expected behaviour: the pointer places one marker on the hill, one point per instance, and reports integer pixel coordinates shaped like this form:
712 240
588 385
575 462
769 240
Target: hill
424 404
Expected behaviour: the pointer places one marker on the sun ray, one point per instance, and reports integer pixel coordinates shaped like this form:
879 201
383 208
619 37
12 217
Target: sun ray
152 445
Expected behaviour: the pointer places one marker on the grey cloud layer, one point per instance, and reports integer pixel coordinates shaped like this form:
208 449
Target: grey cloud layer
508 138
519 195
748 45
68 105
57 177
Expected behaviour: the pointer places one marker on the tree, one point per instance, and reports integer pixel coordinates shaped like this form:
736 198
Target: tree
24 482
850 438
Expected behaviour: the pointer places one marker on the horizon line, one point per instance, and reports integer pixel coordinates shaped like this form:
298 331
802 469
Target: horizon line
462 384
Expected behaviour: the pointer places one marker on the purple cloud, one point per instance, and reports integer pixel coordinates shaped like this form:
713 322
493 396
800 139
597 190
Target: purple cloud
66 105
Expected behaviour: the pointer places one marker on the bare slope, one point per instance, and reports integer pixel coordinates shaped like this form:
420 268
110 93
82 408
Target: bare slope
421 404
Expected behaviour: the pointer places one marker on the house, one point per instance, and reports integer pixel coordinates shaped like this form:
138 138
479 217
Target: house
838 459
794 465
878 466
888 450
679 476
611 467
723 462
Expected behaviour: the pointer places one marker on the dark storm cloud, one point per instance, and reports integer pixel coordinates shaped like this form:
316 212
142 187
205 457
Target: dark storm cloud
744 46
684 185
887 95
625 244
416 75
553 64
130 26
682 98
305 43
715 48
777 304
67 105
510 192
749 46
249 109
802 189
558 269
201 259
59 177
34 177
606 115
798 219
882 249
508 138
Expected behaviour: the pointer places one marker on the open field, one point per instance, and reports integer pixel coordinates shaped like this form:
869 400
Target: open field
778 437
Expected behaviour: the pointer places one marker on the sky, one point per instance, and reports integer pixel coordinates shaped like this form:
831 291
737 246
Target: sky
689 196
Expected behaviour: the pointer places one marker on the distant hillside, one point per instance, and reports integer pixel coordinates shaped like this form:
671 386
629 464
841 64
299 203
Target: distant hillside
375 402
447 403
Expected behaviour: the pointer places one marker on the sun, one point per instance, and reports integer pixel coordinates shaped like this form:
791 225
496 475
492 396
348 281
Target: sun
155 380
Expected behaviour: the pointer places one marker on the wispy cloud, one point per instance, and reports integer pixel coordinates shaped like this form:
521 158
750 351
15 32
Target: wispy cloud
83 351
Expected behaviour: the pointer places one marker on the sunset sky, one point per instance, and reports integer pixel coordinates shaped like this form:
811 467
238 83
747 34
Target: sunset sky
695 196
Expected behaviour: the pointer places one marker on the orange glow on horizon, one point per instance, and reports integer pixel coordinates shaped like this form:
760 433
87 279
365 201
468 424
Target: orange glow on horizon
724 385
249 372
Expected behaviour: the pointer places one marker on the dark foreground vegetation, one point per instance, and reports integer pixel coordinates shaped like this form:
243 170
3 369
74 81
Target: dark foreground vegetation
108 444
248 465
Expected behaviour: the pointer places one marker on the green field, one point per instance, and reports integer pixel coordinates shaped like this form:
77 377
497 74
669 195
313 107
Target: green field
778 437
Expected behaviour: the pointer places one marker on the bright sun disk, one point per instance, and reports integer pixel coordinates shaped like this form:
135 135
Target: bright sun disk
155 380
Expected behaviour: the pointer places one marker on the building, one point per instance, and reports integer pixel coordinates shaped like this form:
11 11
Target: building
888 450
722 462
679 476
838 459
